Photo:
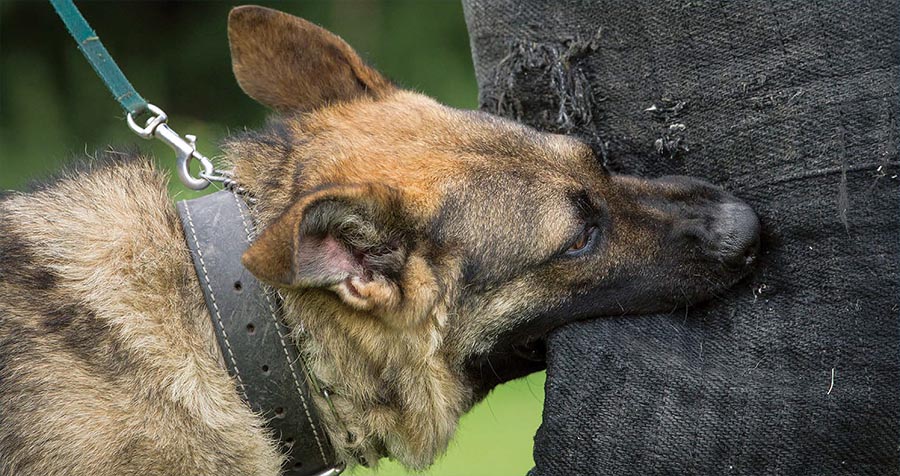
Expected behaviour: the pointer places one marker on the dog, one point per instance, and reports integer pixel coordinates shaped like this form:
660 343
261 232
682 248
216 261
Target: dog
425 252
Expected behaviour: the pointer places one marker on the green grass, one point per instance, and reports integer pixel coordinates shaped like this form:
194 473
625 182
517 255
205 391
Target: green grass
494 439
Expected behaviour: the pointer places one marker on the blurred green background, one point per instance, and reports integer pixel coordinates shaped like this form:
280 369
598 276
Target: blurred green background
53 108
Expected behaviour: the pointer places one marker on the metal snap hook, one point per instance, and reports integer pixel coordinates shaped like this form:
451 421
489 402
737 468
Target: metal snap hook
150 125
185 150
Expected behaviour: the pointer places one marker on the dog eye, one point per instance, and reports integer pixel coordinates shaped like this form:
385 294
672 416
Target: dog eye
583 241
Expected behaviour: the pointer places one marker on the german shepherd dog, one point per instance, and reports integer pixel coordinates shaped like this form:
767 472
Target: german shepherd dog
425 251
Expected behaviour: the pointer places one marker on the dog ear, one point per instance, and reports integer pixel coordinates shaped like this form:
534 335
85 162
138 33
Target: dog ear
290 64
349 239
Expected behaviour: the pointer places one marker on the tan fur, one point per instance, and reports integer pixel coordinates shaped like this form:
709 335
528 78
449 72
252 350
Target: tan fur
114 242
272 45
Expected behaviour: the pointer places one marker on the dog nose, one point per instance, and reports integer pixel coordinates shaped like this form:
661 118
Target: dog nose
711 221
735 234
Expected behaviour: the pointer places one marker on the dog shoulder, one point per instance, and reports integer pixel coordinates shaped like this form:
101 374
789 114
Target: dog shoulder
103 223
107 356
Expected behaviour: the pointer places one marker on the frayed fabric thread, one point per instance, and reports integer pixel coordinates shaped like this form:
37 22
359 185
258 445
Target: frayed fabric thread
551 67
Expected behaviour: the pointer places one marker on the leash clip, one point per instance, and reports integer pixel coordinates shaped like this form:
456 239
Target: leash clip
185 148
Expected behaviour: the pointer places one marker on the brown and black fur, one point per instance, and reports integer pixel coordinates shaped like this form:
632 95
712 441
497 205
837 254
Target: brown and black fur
420 247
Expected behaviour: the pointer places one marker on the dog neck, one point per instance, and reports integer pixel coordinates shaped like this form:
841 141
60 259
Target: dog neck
382 405
250 333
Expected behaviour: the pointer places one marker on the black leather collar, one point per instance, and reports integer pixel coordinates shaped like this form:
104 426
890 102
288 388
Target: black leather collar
257 347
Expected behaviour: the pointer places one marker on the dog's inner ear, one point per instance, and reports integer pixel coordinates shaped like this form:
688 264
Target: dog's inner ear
290 64
349 239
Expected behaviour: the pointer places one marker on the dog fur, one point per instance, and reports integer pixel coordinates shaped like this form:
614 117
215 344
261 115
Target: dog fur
413 242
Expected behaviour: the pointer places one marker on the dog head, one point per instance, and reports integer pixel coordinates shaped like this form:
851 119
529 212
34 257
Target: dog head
427 251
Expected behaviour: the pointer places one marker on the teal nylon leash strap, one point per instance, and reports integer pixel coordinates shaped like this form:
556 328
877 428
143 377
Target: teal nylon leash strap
155 127
96 54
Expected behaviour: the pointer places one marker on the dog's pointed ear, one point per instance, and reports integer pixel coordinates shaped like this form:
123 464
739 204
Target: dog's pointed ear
290 64
346 238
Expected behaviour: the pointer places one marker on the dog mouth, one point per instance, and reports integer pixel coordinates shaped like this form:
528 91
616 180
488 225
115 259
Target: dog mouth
533 351
523 351
509 359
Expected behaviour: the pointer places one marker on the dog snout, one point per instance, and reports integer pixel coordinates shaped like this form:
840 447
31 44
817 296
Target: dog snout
724 228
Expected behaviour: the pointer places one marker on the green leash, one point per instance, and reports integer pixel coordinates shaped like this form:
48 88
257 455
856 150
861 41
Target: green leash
94 51
135 105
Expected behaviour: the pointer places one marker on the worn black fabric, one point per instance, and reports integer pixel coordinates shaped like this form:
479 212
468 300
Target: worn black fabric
790 105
